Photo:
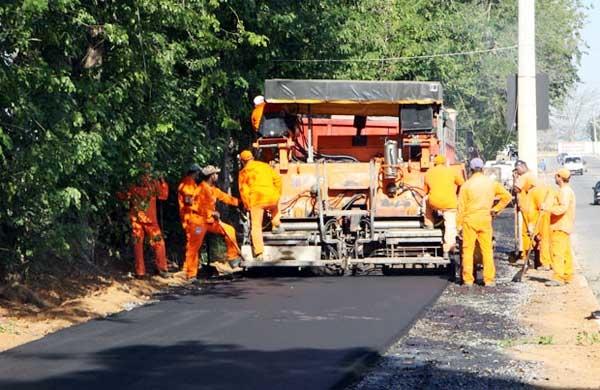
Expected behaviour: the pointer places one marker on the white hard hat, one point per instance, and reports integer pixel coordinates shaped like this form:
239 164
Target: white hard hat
259 100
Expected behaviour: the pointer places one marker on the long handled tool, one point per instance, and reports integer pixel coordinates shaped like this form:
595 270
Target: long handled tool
234 242
531 234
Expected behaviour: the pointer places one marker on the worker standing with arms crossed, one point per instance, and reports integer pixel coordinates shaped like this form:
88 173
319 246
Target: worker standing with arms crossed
562 220
260 190
441 187
144 222
475 213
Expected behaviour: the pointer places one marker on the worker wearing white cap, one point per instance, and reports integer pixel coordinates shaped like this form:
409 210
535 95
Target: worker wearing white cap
475 212
257 112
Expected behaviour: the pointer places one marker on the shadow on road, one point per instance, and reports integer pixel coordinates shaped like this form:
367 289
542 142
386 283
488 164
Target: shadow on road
193 365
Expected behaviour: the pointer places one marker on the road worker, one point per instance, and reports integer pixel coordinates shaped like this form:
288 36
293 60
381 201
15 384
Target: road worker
188 207
144 222
530 197
475 212
441 187
260 190
208 220
562 219
257 112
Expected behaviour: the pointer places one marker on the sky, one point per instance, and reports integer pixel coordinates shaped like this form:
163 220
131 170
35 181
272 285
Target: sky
589 72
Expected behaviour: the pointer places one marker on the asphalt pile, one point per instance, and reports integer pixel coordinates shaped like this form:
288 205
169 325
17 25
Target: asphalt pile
458 343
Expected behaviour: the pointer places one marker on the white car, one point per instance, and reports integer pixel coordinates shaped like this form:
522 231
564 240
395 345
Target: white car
575 164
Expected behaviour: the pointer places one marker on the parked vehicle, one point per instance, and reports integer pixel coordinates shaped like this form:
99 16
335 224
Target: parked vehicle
561 158
574 164
596 189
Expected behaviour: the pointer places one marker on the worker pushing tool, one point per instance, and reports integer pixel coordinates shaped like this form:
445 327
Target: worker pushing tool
144 222
208 220
562 221
260 190
476 210
441 187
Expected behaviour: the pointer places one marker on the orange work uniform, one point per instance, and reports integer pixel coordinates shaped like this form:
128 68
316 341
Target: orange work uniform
441 186
562 221
475 205
526 183
200 221
260 190
142 215
188 206
539 222
256 116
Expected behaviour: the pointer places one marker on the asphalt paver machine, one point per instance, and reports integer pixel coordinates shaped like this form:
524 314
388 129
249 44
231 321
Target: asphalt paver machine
353 156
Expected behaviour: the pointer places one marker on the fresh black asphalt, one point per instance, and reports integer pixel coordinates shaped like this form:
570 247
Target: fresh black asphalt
257 333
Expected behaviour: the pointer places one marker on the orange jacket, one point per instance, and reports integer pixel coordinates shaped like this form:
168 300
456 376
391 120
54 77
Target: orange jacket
142 199
476 201
256 116
186 195
562 211
441 184
206 198
260 185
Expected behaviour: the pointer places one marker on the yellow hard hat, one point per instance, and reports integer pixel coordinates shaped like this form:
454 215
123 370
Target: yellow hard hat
246 155
439 160
564 173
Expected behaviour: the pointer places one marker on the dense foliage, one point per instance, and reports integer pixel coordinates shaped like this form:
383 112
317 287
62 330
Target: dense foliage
91 89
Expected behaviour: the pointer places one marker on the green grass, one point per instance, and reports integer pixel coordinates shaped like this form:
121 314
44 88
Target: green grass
541 340
585 338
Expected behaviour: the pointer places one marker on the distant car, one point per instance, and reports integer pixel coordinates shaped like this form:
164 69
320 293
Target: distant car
574 164
596 189
561 158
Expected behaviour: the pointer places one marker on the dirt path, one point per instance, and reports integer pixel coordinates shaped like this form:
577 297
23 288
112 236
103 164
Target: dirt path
564 339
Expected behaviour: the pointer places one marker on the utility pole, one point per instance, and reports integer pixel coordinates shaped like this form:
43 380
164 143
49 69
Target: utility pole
526 89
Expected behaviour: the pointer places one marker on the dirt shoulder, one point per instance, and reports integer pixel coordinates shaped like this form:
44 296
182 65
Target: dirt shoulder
38 311
564 339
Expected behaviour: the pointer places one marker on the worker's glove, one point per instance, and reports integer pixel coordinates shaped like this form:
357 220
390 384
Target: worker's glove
216 215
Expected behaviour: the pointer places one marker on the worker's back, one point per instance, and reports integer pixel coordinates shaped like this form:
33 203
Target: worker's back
259 184
442 182
476 198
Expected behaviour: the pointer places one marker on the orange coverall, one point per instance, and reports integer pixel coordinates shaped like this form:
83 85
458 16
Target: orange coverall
260 190
441 185
539 222
526 183
475 205
142 215
562 220
257 114
199 221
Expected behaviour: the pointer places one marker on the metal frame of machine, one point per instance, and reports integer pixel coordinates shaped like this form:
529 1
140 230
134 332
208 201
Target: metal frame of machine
352 183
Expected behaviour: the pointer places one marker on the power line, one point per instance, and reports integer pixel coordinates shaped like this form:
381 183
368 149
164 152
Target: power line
387 59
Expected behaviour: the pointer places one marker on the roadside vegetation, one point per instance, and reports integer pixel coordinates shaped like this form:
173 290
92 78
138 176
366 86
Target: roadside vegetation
91 90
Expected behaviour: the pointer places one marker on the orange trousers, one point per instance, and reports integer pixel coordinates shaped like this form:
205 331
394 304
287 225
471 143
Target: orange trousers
195 234
256 218
483 235
562 256
139 230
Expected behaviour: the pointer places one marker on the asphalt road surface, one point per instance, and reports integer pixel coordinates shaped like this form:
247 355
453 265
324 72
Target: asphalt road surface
586 240
277 333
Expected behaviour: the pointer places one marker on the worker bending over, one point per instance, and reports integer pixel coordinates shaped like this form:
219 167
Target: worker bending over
530 196
562 220
144 222
475 212
189 208
260 190
208 220
441 185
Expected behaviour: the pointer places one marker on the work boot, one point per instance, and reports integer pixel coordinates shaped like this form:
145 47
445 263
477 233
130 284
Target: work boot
141 277
278 229
223 268
235 262
259 257
553 283
490 284
163 274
